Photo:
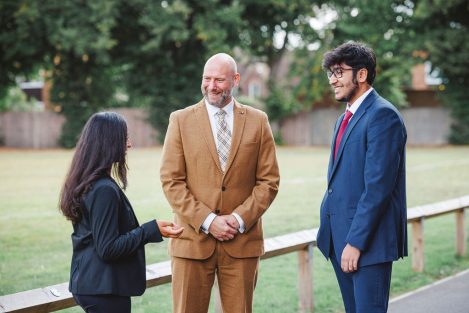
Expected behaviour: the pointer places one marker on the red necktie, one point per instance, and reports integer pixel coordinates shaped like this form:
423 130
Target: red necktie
342 128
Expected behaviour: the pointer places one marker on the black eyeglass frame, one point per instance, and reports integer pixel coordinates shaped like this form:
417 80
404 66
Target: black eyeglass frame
338 71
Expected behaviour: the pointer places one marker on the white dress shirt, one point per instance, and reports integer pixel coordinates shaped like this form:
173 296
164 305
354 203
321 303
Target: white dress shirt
212 110
354 106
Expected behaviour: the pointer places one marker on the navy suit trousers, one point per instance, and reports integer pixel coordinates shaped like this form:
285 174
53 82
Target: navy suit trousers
367 289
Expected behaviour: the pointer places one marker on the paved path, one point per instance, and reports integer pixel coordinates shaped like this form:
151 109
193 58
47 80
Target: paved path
450 295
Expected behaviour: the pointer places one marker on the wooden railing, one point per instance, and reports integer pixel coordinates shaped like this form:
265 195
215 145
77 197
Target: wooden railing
417 215
57 297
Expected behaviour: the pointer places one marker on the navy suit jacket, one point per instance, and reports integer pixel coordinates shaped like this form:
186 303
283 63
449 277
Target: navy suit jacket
108 244
365 201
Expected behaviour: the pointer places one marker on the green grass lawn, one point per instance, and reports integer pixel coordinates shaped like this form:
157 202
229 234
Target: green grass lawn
35 246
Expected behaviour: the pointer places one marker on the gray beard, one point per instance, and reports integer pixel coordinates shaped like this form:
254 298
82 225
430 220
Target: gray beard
221 103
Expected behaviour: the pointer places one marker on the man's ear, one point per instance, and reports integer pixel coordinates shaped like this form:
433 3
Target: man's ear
236 79
362 75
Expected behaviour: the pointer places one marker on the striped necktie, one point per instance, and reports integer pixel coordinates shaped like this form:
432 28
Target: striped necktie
223 138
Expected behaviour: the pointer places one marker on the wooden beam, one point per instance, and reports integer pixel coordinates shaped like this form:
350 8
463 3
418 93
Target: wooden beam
48 299
436 209
284 244
158 274
305 279
461 233
417 244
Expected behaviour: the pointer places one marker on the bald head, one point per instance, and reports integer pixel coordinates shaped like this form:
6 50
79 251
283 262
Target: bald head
223 60
220 79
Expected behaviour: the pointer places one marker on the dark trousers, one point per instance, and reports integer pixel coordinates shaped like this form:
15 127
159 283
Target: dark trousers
103 303
367 289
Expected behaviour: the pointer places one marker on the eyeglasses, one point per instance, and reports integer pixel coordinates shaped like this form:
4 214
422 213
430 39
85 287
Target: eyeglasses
337 72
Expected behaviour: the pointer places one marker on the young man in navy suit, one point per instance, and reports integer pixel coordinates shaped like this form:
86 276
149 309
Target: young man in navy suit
363 213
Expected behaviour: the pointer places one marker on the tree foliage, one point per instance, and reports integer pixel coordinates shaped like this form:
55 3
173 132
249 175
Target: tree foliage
165 46
444 28
272 29
154 51
16 101
80 34
21 45
72 41
403 32
382 25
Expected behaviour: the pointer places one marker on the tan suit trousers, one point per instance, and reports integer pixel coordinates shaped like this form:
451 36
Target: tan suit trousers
193 281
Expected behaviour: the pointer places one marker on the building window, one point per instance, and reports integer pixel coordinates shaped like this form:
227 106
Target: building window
432 76
254 90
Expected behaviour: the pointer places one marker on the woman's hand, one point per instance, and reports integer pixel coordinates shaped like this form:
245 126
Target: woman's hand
169 229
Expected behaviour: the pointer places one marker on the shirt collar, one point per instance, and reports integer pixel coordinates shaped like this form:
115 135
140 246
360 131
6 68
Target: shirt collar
212 110
354 106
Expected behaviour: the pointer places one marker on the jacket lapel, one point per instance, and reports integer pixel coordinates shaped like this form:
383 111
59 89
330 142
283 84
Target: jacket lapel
334 136
126 202
355 119
239 119
204 123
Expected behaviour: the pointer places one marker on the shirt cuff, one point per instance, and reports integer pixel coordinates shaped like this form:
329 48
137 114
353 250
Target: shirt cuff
240 221
208 221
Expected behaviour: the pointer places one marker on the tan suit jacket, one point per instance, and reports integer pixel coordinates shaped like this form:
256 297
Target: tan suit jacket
195 185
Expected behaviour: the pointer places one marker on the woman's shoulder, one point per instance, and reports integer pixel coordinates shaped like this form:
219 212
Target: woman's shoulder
105 181
104 185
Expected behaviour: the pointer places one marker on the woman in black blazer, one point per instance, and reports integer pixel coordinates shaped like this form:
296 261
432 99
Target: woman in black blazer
108 262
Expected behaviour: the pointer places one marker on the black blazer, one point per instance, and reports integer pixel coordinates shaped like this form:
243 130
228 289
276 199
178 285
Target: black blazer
108 244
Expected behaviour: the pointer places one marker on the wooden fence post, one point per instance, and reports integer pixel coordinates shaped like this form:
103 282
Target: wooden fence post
461 234
305 279
417 240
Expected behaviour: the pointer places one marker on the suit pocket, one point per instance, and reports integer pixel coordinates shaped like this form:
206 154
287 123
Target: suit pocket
249 145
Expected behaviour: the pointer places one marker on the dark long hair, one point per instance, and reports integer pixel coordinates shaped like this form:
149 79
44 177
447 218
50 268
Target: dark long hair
100 150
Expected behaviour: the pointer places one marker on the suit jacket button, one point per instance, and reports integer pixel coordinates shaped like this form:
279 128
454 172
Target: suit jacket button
330 190
223 188
217 211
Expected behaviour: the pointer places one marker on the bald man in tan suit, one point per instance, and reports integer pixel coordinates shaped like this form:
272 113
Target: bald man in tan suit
219 173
